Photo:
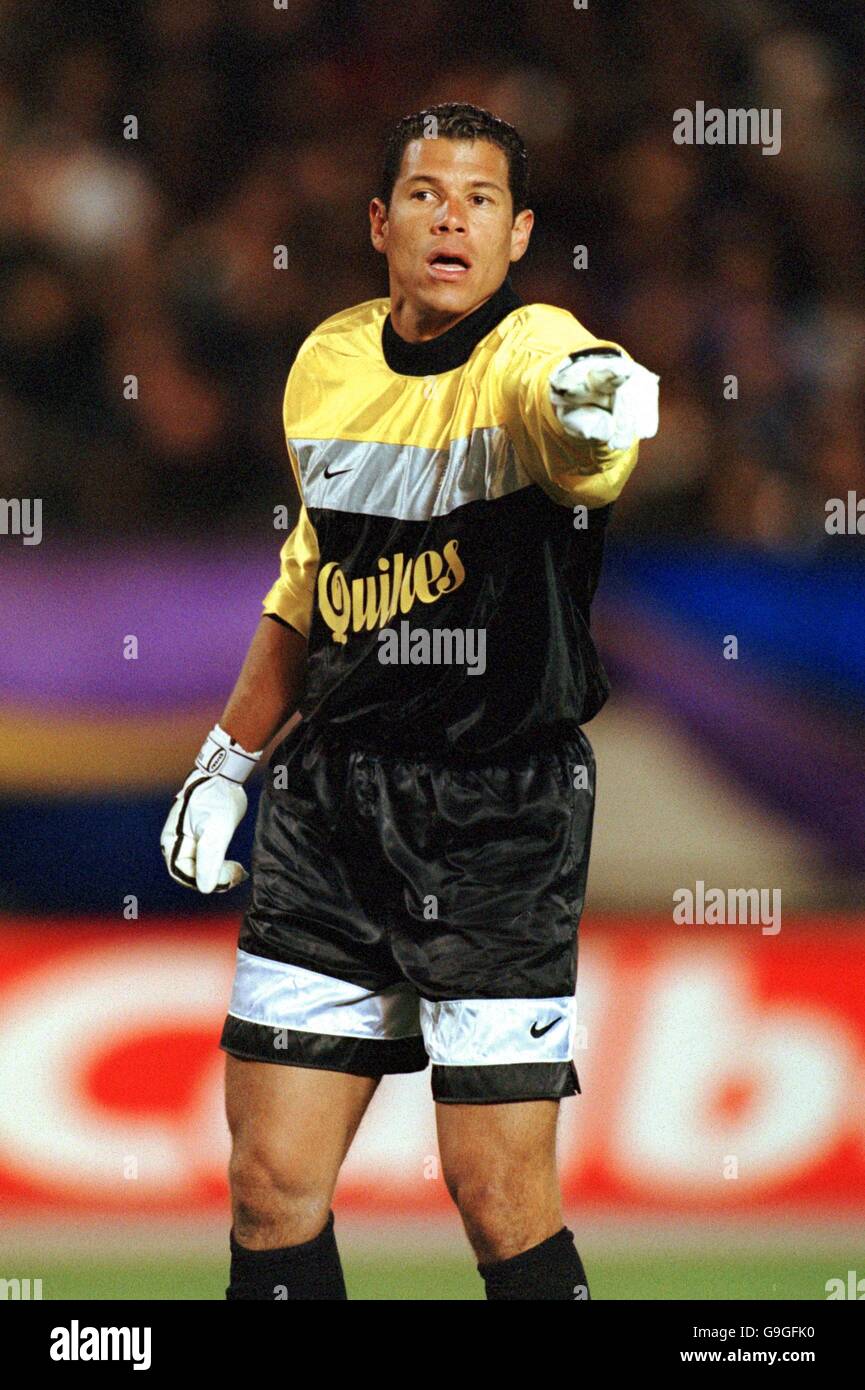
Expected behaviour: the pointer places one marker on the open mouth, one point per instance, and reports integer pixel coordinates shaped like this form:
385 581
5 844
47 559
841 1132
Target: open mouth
448 265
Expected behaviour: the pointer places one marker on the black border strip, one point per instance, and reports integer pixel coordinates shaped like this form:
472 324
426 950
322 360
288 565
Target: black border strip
491 1085
257 1042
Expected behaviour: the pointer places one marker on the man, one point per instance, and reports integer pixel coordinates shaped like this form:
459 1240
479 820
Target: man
422 844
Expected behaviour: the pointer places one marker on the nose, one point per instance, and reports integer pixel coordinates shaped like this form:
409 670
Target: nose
451 217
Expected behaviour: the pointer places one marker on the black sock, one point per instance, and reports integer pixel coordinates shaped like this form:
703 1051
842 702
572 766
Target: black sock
310 1270
551 1270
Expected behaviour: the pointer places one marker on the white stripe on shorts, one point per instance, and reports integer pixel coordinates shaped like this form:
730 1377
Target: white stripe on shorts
288 996
493 1032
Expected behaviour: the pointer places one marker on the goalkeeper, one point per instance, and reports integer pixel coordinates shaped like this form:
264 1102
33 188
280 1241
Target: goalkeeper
422 845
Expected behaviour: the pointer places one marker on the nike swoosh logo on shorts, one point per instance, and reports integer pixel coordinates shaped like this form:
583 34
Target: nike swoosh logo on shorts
335 472
537 1032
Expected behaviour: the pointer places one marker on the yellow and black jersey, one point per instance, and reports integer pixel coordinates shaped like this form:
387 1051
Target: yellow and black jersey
450 534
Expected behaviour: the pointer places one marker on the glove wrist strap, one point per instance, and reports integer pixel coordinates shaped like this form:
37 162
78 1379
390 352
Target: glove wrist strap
595 352
221 755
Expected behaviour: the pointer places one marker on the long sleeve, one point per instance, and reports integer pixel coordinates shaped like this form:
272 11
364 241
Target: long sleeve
291 596
570 470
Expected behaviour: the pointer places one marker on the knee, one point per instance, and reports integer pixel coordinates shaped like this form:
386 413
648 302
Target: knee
276 1200
500 1211
480 1198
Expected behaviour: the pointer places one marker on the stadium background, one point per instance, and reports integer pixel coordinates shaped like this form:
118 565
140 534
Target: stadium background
719 1146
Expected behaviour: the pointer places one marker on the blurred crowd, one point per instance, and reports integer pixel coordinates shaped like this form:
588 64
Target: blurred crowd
152 156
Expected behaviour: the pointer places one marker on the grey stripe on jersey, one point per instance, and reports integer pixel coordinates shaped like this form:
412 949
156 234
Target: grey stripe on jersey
407 482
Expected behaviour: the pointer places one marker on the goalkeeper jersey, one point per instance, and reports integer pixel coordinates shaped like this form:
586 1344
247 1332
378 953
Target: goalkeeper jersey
450 533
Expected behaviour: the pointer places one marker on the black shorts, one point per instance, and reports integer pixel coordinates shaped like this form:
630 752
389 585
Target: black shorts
407 911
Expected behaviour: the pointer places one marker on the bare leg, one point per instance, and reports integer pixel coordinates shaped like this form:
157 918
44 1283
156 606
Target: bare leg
291 1128
499 1164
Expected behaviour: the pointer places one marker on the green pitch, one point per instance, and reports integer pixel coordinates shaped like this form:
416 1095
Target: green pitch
395 1278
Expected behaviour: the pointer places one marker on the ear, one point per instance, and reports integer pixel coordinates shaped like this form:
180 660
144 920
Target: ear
378 225
520 233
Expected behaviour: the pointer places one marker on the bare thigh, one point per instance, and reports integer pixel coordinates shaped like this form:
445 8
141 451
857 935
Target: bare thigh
291 1128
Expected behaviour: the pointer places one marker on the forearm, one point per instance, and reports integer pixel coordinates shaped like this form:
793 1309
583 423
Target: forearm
269 686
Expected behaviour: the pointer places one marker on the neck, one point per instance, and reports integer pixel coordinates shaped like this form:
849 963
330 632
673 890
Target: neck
453 343
417 324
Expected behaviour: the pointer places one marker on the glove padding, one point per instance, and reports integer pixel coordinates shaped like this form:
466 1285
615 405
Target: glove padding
606 397
206 812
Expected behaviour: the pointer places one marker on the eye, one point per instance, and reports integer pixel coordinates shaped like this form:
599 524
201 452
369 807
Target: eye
481 198
422 193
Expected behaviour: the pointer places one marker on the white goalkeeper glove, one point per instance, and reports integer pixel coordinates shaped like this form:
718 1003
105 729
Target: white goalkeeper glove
600 394
206 812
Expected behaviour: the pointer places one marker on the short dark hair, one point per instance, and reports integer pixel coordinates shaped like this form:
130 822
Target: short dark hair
458 120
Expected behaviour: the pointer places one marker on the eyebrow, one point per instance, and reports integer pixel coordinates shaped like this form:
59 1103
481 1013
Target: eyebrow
473 183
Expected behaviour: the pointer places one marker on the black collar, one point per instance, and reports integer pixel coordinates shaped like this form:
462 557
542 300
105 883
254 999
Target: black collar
452 348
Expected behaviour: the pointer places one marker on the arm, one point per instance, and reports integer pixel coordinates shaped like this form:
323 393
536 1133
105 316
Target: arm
212 802
575 419
269 686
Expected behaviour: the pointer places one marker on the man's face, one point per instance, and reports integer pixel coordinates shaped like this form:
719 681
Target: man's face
449 233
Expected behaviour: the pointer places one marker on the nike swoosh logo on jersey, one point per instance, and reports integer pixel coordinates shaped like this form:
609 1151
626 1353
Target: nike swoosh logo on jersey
335 472
537 1032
